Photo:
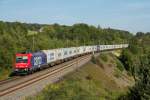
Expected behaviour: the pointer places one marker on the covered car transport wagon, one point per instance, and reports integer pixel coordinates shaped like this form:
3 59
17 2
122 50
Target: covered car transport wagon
51 55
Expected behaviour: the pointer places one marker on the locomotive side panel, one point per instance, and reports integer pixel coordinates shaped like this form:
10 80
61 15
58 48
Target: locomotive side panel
38 60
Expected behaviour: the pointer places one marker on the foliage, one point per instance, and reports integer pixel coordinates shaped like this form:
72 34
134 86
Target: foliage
141 89
104 57
120 66
93 59
117 73
131 57
137 61
126 59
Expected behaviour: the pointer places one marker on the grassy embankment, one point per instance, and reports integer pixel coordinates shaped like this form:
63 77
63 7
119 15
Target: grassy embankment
102 78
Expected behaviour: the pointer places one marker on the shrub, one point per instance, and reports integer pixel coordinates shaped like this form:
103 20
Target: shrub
104 57
117 73
93 59
119 65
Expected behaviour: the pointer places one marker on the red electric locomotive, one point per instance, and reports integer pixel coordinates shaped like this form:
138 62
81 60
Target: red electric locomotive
28 62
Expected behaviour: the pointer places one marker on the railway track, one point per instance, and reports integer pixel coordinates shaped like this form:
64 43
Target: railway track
38 78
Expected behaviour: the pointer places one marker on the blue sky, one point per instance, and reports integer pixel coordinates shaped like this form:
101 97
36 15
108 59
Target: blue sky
131 15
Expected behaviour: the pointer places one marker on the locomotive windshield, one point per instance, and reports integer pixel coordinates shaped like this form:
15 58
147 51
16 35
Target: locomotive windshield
21 59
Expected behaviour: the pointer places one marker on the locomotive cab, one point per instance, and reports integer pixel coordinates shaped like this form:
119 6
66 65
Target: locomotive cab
22 62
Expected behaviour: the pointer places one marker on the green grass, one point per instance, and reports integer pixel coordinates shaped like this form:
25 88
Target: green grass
4 73
88 83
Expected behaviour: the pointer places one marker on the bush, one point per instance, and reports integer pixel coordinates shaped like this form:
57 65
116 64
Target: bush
97 61
134 49
119 65
93 59
117 73
104 57
140 91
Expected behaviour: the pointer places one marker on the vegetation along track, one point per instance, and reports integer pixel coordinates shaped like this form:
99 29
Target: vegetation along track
9 80
36 79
